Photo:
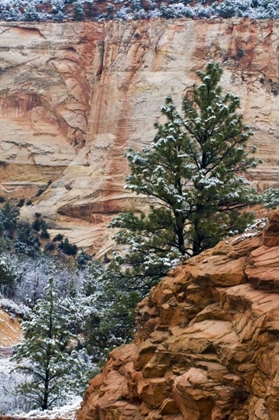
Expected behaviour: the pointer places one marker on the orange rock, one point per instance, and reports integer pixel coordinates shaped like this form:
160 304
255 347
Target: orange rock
262 269
169 406
222 362
270 234
11 332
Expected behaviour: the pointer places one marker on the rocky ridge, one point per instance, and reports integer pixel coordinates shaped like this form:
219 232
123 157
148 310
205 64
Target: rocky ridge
75 95
207 341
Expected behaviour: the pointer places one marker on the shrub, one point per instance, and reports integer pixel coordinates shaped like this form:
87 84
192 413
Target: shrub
83 259
58 237
8 219
26 242
36 225
78 12
21 202
68 248
44 234
49 247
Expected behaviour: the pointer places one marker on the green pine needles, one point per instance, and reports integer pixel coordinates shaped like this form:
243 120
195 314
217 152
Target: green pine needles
194 174
54 368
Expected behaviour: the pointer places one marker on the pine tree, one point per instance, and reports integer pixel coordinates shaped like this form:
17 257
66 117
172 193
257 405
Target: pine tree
47 356
31 13
78 10
8 219
194 174
8 278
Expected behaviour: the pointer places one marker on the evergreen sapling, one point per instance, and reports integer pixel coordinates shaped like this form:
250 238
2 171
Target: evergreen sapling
48 356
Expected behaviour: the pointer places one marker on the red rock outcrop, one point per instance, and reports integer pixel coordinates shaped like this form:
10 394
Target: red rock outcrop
207 341
74 96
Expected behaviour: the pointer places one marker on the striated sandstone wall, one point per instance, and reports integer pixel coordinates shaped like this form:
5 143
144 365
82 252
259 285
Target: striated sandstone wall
207 341
74 96
11 332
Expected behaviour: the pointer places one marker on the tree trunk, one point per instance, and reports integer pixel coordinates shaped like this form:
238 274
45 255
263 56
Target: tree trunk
45 397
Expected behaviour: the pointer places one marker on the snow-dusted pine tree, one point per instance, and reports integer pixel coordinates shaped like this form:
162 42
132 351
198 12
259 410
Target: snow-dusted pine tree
54 368
7 278
194 173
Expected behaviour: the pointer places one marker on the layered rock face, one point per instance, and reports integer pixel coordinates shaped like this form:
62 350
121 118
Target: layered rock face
11 332
207 341
74 96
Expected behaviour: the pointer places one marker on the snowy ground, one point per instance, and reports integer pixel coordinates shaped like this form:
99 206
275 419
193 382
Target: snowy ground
65 412
12 404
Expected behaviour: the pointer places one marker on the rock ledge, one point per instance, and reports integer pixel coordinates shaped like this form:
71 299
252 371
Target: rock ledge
207 341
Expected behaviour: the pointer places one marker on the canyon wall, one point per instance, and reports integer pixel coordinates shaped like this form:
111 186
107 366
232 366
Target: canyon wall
206 345
74 96
11 332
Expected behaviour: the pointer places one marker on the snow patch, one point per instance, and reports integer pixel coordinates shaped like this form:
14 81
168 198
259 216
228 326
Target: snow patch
10 404
66 412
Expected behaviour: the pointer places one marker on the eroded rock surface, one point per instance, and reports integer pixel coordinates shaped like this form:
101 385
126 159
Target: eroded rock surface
74 96
207 341
10 328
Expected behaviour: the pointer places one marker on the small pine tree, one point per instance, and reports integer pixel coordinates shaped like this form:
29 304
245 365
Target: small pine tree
53 367
31 13
8 219
26 241
8 278
68 248
83 259
78 11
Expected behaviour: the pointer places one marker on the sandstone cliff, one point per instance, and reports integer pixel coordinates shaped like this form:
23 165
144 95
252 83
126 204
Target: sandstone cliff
74 96
10 328
207 341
